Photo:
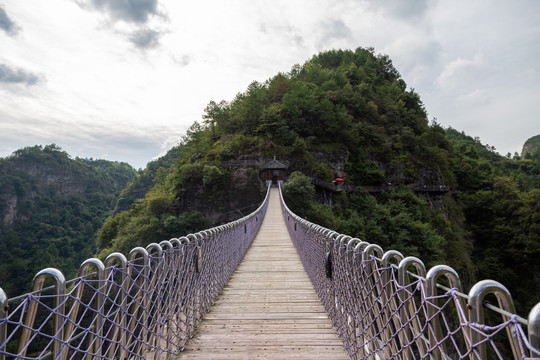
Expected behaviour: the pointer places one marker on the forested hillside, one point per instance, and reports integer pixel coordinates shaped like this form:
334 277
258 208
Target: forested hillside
144 180
350 114
345 114
51 207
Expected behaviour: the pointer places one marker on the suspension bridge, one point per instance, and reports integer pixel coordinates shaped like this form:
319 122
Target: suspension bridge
269 285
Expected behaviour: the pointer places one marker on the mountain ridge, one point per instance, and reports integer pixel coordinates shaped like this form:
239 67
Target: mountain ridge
346 114
51 207
349 114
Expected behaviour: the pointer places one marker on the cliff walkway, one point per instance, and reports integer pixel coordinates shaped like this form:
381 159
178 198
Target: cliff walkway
377 189
269 285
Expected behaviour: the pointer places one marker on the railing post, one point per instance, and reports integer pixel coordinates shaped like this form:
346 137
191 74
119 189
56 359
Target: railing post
377 309
184 300
60 291
99 302
176 285
167 300
436 334
198 266
68 332
4 307
362 332
141 341
155 284
389 288
120 317
534 328
476 297
408 311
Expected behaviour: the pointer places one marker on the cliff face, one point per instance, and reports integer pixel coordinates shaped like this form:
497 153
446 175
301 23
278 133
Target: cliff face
9 214
26 180
51 207
33 180
220 193
531 146
63 180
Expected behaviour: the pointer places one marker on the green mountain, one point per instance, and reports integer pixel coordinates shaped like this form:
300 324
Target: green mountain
51 207
446 197
350 114
145 179
531 148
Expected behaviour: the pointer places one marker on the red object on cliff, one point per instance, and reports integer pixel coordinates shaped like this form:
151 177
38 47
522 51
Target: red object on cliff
339 180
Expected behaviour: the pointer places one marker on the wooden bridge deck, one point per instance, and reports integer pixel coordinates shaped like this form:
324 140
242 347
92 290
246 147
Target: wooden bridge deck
269 309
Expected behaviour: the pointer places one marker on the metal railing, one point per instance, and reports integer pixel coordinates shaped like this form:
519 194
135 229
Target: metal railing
143 306
387 306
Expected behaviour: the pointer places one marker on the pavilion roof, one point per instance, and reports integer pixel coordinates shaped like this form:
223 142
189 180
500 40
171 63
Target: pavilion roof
275 164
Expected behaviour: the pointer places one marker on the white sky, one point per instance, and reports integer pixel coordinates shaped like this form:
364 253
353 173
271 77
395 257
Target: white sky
123 80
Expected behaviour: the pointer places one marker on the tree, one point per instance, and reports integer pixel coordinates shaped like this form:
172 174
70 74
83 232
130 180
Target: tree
215 114
299 193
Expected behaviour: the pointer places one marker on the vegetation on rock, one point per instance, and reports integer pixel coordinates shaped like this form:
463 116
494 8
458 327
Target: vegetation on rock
51 207
531 148
347 114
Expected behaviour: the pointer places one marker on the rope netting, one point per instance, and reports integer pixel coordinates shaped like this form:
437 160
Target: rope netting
386 306
144 306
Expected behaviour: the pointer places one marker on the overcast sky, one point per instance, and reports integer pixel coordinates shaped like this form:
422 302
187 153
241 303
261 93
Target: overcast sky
123 80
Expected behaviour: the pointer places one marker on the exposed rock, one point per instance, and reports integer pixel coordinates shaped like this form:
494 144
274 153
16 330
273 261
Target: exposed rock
429 176
9 214
531 146
62 181
336 161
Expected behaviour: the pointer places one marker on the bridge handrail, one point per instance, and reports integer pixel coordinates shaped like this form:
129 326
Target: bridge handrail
384 310
145 305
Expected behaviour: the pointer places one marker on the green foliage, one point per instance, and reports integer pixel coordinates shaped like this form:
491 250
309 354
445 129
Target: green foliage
57 205
347 114
299 193
351 109
215 181
356 102
504 224
144 180
321 170
367 172
531 148
354 98
397 220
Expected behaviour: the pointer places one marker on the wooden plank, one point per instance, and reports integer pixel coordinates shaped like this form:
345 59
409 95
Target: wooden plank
269 309
279 352
286 307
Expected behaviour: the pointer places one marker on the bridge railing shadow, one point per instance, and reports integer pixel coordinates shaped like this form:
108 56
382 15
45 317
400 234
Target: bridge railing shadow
142 306
384 305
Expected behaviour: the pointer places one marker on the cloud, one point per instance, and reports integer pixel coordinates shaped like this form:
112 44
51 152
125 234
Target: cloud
6 24
18 76
135 14
145 38
416 57
475 97
401 9
167 144
283 31
334 30
183 60
458 71
132 11
119 142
